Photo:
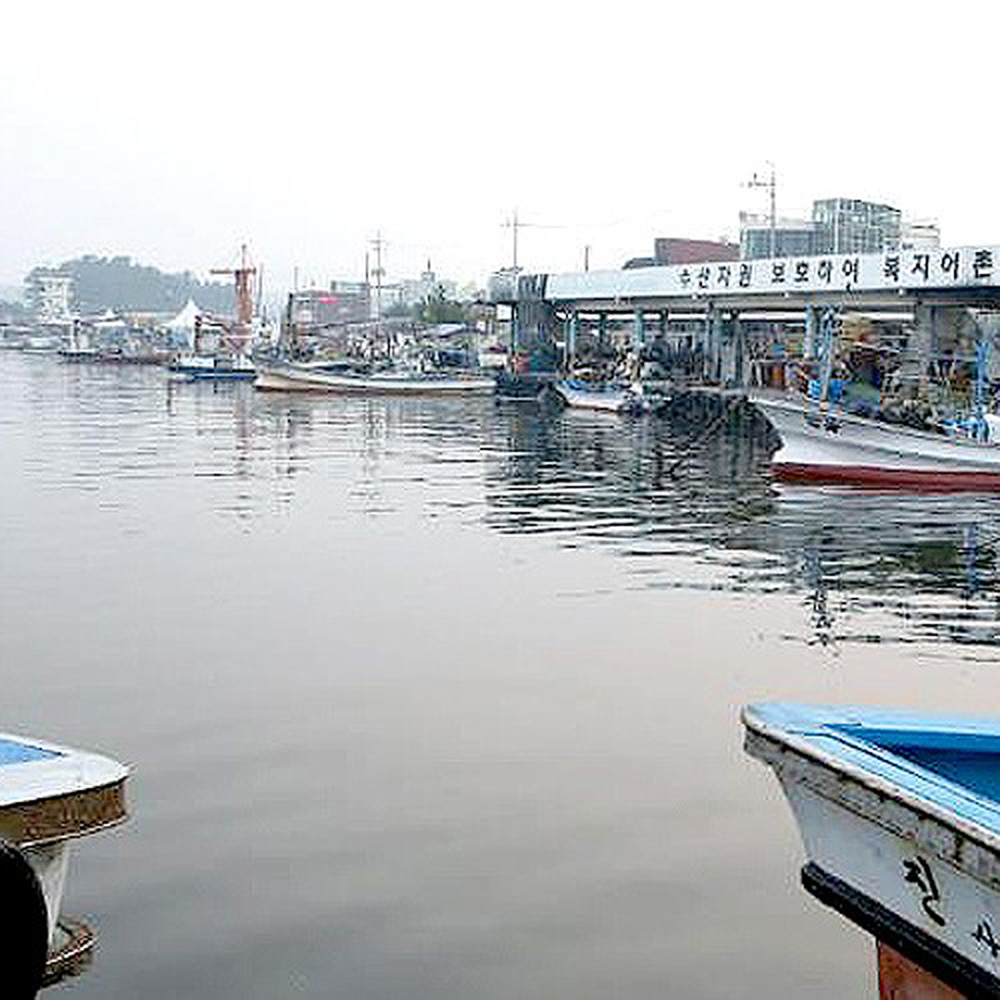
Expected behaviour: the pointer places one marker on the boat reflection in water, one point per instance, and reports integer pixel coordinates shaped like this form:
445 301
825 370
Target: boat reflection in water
684 511
869 566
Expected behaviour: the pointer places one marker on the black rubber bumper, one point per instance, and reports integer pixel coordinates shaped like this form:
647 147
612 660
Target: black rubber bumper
918 946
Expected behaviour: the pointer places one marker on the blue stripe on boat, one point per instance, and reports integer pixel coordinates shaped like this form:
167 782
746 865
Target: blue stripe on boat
20 753
951 761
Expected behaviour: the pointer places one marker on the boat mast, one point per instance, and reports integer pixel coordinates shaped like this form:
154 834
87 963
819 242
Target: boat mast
378 243
980 388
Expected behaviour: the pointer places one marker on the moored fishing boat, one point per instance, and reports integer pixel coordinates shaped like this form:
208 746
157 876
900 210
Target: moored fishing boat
298 377
79 345
213 366
49 795
900 817
842 448
608 397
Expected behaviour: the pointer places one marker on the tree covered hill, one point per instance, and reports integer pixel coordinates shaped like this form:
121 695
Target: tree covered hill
118 284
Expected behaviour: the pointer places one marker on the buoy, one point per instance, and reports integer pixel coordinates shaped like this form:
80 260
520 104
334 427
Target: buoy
24 926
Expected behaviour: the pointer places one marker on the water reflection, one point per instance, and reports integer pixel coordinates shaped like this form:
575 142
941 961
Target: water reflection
680 511
869 567
683 511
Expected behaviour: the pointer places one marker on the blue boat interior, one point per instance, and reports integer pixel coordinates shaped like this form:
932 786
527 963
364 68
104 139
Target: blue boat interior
13 752
968 759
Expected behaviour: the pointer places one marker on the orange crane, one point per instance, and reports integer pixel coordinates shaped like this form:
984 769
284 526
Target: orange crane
243 277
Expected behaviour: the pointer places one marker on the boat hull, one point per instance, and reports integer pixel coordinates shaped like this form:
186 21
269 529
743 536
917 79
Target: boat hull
213 374
860 868
856 451
294 378
79 354
603 398
896 839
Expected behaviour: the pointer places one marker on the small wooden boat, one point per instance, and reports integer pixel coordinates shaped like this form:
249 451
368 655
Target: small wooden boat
298 377
49 795
900 817
840 448
608 397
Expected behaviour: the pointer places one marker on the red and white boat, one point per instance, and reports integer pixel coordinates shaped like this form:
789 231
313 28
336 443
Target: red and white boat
840 448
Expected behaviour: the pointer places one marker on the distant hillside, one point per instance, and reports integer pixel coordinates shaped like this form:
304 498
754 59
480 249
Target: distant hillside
118 284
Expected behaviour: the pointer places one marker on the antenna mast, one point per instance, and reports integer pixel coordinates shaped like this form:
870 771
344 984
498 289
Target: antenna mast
513 225
772 185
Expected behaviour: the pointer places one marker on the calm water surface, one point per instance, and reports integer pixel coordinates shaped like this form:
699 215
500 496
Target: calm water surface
439 699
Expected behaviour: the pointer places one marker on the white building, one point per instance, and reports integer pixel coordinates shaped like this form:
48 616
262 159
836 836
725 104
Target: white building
416 291
920 234
49 295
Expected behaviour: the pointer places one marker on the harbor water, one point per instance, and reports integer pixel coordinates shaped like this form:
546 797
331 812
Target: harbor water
439 698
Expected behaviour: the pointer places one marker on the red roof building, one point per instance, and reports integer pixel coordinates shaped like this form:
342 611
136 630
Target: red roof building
674 250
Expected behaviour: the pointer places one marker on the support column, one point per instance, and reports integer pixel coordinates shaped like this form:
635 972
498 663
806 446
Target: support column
638 330
730 351
664 352
708 344
739 346
809 342
916 362
572 323
717 334
713 344
515 337
602 335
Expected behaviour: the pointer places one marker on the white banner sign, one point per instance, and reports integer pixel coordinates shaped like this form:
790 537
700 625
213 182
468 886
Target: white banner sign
911 270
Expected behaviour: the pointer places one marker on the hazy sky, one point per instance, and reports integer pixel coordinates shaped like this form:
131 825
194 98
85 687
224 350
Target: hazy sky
172 132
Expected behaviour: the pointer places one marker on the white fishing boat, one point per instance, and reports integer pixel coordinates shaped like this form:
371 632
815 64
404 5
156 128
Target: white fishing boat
608 397
227 367
79 346
49 796
298 377
840 448
900 818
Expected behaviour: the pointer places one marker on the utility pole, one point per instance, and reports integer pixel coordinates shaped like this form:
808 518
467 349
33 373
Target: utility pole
513 225
586 257
772 185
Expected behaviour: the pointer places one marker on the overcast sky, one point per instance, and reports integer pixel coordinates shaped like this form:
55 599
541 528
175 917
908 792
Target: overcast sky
172 132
